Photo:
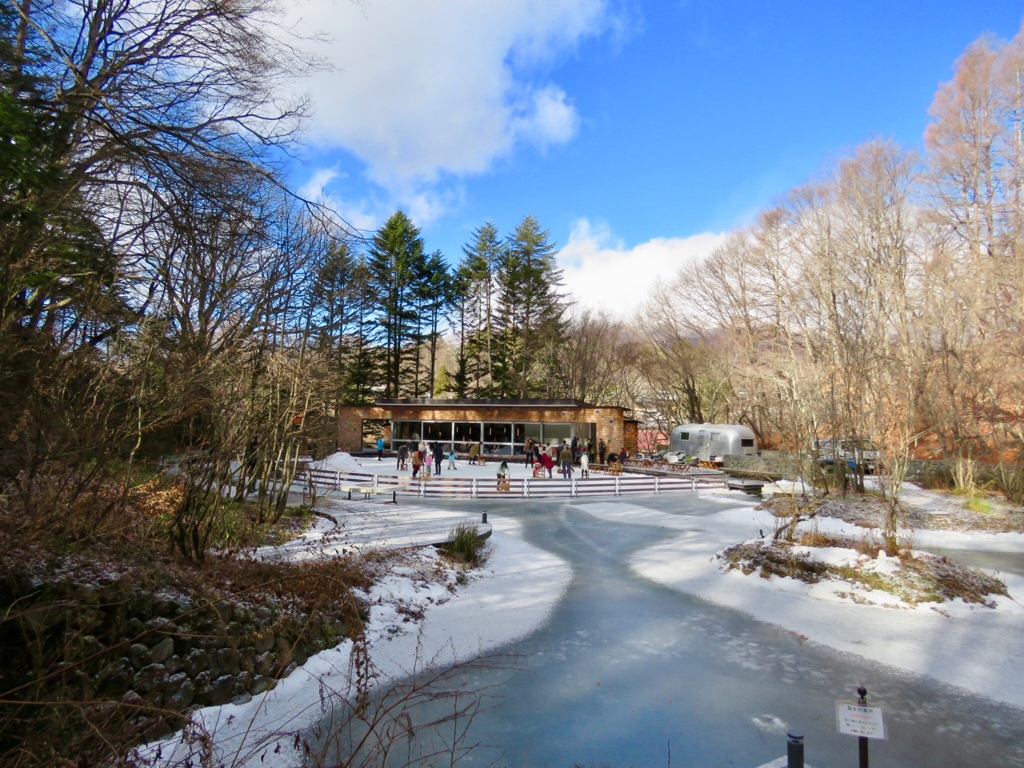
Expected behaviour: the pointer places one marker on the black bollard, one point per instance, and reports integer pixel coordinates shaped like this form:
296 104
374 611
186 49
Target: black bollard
795 750
863 742
485 518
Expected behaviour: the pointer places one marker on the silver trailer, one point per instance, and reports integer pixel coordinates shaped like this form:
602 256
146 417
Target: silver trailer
708 442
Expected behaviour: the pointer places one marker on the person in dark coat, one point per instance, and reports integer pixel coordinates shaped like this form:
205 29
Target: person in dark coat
602 449
438 458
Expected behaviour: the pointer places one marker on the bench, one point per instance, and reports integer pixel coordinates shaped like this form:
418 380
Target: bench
370 490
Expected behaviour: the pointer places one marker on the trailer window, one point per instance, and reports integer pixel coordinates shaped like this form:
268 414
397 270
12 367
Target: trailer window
684 435
746 442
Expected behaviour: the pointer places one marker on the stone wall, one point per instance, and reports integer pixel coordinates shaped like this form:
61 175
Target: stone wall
156 651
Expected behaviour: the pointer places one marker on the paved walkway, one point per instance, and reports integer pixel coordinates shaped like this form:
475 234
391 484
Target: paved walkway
346 527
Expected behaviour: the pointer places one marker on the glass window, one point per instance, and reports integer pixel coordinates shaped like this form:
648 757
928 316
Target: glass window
557 433
403 431
467 431
684 435
437 430
531 430
746 442
497 432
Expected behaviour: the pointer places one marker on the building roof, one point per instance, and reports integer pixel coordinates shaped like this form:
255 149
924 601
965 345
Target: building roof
478 402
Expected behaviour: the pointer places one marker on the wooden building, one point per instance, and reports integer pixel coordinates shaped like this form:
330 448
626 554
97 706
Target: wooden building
502 426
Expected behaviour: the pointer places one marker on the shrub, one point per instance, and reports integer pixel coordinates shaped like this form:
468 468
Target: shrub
465 545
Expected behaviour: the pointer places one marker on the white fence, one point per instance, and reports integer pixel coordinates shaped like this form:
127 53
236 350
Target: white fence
527 488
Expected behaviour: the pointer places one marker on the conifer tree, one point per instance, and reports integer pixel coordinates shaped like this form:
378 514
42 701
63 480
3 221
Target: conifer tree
532 309
396 266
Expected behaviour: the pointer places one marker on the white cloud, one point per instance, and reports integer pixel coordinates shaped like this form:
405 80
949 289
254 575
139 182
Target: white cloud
426 89
601 272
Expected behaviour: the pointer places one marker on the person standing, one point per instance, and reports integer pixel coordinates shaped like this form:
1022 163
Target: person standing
380 449
438 458
403 455
416 462
503 476
451 458
565 461
602 449
474 451
575 448
428 459
584 464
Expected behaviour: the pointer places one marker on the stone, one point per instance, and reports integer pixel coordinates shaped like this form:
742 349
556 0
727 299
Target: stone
284 652
162 651
222 690
228 661
264 641
174 664
242 698
149 678
261 684
264 663
235 632
117 675
197 661
242 681
246 658
139 655
179 692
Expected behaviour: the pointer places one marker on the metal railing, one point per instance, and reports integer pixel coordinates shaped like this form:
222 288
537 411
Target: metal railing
523 487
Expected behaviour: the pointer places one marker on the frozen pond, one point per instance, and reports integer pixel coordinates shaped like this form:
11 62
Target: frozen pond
627 671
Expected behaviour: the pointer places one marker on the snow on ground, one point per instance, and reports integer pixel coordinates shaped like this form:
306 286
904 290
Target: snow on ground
971 646
509 599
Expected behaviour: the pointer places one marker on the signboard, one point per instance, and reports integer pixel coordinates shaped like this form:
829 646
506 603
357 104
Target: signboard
856 720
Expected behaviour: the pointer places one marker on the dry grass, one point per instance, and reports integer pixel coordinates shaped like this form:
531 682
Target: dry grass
67 586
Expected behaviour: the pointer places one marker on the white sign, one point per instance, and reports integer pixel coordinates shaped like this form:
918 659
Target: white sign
855 720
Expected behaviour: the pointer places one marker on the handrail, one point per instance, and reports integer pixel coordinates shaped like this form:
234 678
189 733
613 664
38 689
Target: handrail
524 487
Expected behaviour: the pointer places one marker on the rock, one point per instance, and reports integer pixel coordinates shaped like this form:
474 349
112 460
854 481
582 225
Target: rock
264 663
242 698
246 658
284 652
149 678
242 682
222 690
132 699
197 661
174 664
228 661
116 676
179 692
235 631
139 655
182 644
264 641
261 684
162 651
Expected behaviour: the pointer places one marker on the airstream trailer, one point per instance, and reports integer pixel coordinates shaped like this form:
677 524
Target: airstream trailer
708 441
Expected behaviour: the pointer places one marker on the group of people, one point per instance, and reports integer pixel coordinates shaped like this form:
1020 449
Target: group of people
426 459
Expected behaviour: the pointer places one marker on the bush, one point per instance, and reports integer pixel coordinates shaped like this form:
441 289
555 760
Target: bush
466 545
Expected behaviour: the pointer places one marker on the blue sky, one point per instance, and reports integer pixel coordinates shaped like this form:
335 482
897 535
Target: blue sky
635 132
